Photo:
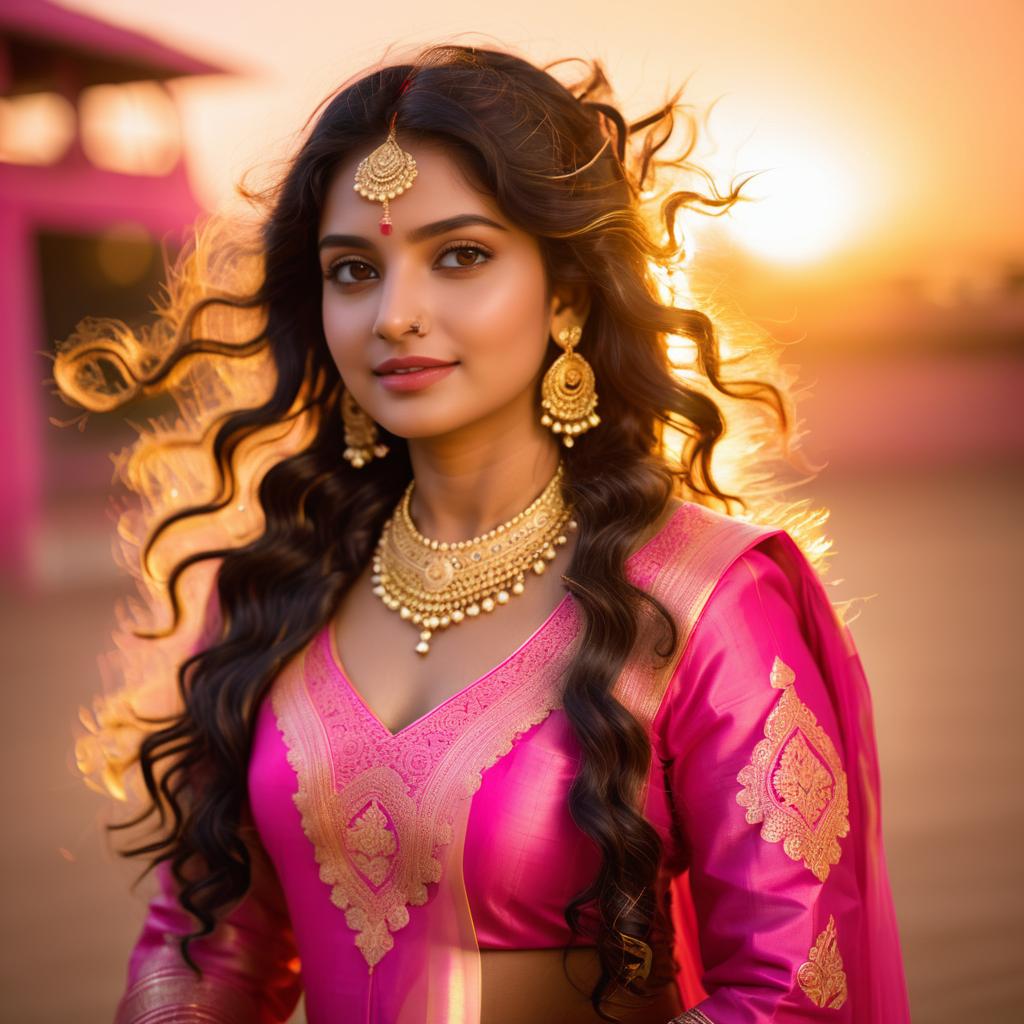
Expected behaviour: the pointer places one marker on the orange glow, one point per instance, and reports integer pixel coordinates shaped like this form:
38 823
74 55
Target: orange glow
130 128
35 129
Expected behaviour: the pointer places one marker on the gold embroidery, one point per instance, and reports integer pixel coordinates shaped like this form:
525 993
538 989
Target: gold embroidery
692 1017
821 976
377 832
371 843
682 566
801 799
781 675
373 892
802 780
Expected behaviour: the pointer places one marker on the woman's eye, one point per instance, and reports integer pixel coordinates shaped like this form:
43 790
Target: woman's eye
336 268
463 249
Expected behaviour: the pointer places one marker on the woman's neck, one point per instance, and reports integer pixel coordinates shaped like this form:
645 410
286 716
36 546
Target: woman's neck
464 491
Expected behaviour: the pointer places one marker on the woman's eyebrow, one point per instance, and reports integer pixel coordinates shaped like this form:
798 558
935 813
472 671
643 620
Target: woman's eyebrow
438 227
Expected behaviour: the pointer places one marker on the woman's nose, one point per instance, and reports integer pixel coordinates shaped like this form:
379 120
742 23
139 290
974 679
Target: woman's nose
401 303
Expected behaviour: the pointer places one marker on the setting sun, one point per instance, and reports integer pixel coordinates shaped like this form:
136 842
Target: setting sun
804 204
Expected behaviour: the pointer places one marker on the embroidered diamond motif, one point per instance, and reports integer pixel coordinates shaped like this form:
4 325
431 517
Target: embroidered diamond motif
800 797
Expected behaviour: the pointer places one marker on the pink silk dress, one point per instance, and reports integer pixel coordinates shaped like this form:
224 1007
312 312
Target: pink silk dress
385 863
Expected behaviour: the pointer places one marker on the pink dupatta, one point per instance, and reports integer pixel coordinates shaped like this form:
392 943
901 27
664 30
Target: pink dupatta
873 986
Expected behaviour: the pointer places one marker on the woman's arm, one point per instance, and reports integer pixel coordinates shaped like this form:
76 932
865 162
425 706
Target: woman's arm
250 964
759 790
251 970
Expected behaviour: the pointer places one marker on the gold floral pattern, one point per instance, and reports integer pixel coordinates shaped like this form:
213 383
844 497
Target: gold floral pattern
802 780
371 843
795 783
821 976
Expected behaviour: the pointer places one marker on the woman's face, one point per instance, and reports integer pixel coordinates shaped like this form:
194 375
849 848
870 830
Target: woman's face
477 289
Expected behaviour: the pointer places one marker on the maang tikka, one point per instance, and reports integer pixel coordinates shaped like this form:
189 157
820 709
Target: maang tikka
387 172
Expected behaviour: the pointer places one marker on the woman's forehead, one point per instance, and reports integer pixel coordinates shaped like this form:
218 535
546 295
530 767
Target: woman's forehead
440 190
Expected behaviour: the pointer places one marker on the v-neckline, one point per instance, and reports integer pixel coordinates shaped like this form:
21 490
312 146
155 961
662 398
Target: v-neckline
334 658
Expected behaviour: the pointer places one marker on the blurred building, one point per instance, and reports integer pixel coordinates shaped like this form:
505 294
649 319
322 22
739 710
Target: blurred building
94 196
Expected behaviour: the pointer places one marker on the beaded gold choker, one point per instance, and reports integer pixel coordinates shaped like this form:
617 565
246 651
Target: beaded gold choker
435 584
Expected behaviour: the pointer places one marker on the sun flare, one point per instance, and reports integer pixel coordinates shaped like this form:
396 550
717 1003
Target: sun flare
804 205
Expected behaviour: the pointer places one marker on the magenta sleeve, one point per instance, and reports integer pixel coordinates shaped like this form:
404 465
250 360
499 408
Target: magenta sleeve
250 965
759 792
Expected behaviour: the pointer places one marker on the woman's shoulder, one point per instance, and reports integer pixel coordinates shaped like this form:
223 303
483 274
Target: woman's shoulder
744 643
659 525
691 546
695 566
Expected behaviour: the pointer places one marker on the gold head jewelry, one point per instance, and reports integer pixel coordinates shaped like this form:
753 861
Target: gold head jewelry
567 391
387 172
436 584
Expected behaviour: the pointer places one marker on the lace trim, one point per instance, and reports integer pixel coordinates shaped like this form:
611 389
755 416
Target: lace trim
795 782
378 808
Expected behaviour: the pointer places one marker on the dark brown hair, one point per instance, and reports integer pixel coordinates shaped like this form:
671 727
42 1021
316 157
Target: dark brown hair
564 164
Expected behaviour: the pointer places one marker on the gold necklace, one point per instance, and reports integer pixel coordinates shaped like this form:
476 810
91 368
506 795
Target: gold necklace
436 584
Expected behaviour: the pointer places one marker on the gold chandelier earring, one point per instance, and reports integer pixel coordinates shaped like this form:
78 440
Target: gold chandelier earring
567 392
360 433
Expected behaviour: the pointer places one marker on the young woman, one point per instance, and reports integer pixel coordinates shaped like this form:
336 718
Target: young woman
480 702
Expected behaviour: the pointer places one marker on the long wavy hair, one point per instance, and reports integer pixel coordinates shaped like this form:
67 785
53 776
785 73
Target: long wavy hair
245 497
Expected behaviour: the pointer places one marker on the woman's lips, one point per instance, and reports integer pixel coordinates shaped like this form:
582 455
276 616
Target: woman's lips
415 380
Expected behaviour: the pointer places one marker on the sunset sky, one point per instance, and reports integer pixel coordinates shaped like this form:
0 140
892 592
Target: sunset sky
889 133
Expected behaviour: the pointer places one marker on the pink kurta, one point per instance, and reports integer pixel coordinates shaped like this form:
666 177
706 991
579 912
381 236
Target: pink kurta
392 859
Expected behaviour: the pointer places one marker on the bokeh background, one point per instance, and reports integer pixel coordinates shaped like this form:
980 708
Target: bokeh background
887 246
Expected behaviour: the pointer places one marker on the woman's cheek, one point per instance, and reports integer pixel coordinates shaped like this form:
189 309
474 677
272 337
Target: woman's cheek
344 345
